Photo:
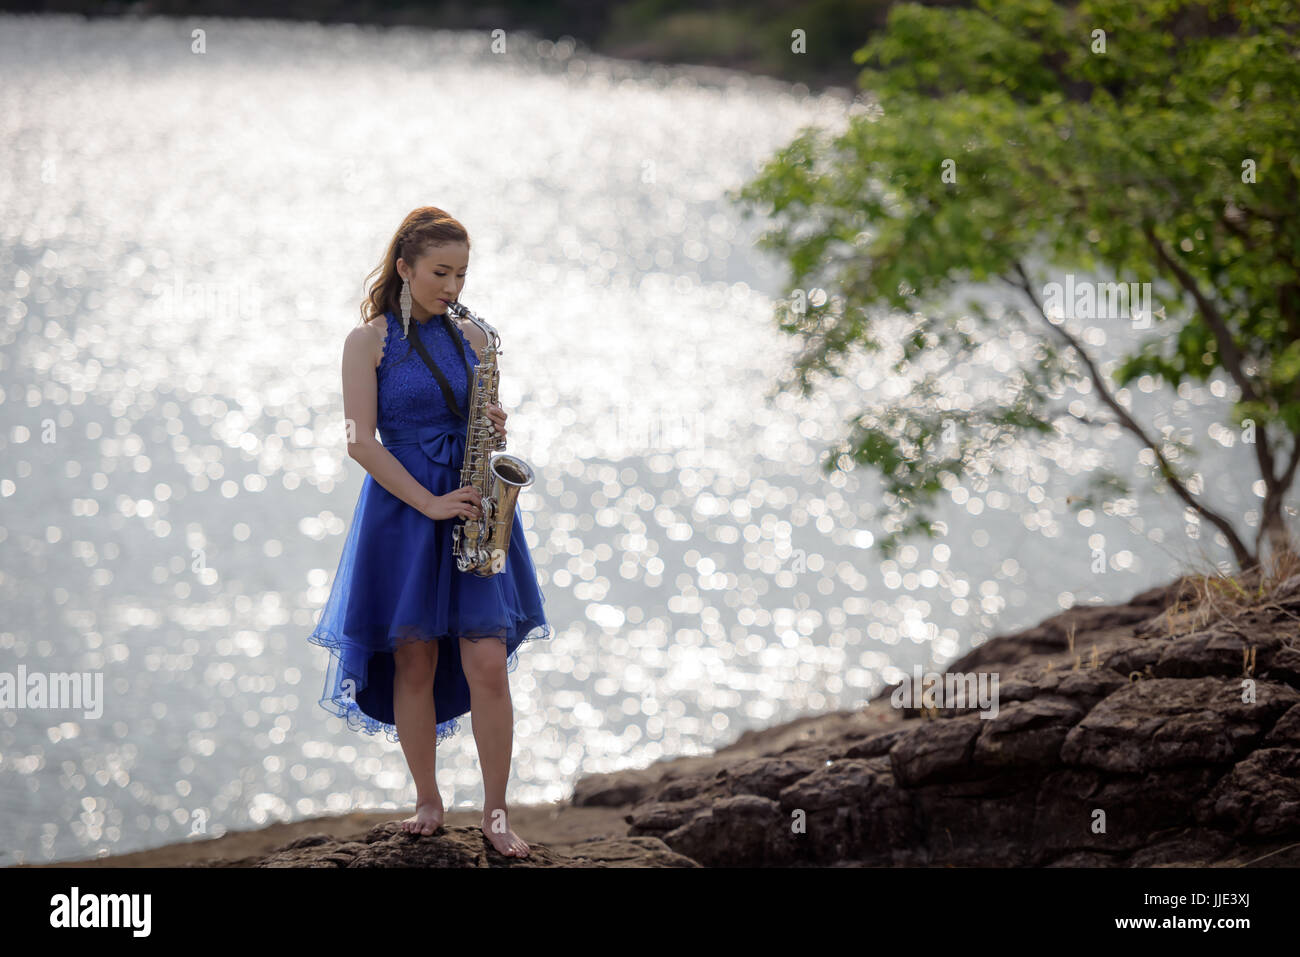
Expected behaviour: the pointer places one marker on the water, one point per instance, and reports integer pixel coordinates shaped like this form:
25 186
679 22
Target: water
184 243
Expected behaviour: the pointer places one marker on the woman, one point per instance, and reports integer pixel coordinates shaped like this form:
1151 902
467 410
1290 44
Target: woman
404 625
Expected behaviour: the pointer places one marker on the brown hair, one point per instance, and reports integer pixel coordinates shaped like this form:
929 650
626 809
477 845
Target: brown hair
421 230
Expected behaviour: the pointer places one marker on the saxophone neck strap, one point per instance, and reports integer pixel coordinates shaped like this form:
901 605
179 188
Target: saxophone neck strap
447 395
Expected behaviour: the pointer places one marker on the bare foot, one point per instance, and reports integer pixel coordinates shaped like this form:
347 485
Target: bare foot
426 820
496 828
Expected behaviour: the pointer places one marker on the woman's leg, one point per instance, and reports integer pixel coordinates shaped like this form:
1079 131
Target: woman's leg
484 664
414 665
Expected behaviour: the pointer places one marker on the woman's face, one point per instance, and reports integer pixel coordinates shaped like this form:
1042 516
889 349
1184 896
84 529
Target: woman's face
437 277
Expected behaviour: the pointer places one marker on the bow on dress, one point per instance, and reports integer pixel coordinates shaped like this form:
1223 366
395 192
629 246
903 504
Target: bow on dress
443 444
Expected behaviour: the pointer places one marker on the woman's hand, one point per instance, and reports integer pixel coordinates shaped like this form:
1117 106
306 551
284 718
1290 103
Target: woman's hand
460 504
498 417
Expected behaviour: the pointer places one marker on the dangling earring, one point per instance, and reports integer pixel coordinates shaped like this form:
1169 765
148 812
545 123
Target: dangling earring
406 307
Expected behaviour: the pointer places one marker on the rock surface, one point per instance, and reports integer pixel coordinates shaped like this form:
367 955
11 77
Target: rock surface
387 845
1140 747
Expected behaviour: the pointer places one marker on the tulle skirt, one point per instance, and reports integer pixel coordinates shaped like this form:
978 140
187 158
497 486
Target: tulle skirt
397 582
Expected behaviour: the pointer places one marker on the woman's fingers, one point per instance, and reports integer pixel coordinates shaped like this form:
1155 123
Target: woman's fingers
473 502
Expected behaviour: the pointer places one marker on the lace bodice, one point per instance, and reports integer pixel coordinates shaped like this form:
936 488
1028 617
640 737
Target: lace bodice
408 393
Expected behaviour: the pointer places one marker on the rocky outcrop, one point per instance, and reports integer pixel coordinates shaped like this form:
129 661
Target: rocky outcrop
1116 742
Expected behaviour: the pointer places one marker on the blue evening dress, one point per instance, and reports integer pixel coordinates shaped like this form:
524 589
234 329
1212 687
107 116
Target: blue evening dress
397 579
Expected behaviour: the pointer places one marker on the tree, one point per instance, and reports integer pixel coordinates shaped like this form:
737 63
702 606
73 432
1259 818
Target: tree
1154 142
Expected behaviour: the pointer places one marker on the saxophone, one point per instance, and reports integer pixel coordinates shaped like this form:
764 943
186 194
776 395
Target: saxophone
481 544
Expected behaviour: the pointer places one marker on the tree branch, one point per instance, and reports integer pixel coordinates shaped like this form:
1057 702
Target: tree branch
1229 355
1239 549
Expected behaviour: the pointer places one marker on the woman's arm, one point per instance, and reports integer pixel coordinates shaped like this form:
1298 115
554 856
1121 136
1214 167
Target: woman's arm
360 409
